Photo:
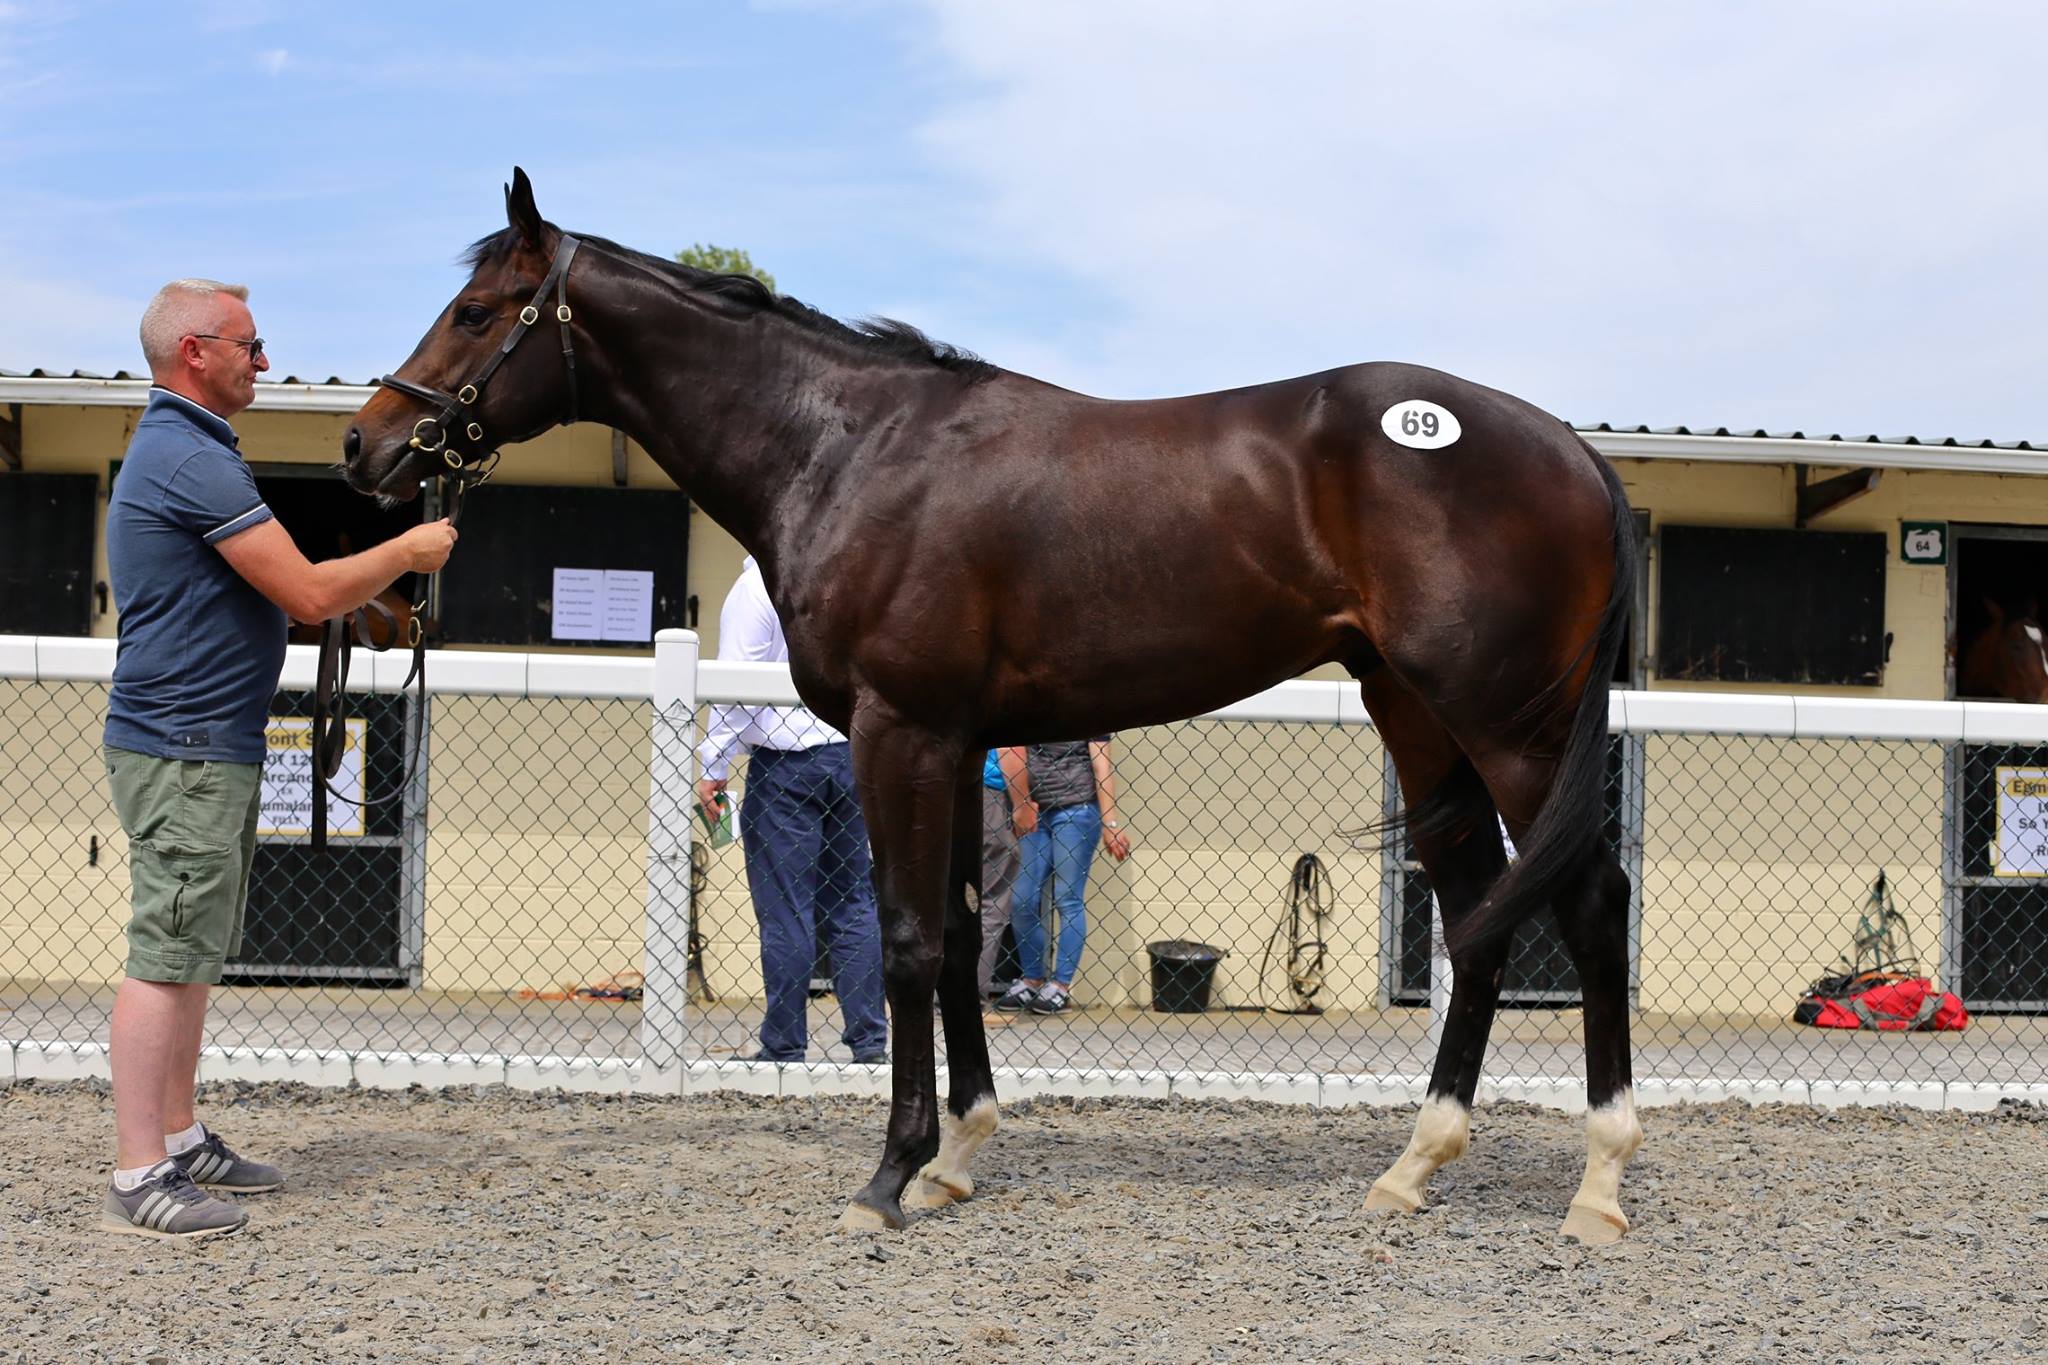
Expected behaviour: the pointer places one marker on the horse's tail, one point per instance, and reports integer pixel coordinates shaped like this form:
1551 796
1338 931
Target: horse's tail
1569 825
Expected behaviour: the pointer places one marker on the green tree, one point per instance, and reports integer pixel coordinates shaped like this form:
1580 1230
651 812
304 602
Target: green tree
724 260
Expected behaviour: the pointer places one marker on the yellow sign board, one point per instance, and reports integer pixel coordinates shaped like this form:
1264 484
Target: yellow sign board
2019 846
288 777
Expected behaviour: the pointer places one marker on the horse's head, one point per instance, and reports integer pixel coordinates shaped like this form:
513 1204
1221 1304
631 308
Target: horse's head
2008 658
477 380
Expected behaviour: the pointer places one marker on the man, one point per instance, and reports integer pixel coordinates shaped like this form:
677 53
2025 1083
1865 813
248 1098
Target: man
805 844
203 578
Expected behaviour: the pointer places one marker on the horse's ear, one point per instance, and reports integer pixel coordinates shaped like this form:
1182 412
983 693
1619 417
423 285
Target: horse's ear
520 212
1993 610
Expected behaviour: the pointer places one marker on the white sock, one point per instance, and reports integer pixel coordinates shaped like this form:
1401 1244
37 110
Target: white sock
174 1143
126 1181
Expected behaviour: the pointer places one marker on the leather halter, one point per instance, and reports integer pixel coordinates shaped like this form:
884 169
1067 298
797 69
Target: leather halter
461 472
456 407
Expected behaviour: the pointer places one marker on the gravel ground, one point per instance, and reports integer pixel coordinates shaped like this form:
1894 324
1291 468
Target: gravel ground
493 1225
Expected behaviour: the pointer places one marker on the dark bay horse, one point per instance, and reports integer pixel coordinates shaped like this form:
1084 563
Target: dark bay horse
964 557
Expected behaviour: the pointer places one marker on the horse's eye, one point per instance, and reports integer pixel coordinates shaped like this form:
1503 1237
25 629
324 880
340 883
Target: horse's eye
472 315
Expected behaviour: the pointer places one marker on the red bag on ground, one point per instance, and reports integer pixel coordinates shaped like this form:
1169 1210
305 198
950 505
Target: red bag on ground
1890 1002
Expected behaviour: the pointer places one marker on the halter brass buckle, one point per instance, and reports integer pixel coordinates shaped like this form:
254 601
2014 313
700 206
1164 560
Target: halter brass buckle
467 395
414 631
561 312
529 315
419 444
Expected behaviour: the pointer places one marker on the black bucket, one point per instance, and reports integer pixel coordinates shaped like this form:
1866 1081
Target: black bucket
1182 973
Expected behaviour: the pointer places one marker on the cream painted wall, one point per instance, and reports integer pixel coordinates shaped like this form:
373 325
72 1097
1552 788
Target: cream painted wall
1759 854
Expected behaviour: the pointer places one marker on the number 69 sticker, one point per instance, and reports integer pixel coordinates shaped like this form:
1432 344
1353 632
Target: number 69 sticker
1420 425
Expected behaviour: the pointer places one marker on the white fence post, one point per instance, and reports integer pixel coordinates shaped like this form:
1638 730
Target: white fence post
1439 975
663 1026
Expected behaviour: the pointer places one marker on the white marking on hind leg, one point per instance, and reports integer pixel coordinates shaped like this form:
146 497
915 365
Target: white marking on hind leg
1612 1135
945 1177
1442 1132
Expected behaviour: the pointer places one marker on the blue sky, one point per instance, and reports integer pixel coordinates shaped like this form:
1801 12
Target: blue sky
1822 216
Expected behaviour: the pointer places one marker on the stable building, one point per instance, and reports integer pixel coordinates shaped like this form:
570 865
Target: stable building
1772 563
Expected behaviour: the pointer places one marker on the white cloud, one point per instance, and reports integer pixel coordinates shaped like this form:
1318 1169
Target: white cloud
1810 214
274 60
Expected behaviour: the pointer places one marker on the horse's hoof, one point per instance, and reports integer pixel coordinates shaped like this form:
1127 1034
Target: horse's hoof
1593 1227
934 1190
860 1218
926 1192
1387 1199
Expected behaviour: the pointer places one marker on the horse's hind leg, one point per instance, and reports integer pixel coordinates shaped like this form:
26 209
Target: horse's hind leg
1452 823
908 778
970 1116
1593 915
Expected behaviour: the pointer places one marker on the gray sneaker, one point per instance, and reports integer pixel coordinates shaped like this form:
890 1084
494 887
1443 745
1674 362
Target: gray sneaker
1052 999
211 1164
1018 998
168 1205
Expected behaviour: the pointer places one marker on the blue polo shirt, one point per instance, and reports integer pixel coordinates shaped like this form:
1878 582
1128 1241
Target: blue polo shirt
200 648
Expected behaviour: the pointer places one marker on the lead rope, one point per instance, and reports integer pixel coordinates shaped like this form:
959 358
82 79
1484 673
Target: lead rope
330 683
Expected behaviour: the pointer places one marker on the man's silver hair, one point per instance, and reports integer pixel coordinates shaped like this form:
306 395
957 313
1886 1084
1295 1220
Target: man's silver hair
180 309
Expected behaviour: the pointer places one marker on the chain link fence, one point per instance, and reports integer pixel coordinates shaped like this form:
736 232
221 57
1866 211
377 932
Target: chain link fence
548 889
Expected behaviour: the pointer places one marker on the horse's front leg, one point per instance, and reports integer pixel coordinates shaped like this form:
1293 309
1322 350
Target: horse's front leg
970 1117
907 775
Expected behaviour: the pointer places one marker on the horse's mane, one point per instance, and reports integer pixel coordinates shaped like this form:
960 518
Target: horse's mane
884 336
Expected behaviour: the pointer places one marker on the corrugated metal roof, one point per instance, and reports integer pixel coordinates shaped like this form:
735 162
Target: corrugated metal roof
331 380
1759 434
292 392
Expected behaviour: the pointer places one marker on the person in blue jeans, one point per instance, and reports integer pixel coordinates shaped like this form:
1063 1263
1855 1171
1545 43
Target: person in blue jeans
1071 791
805 843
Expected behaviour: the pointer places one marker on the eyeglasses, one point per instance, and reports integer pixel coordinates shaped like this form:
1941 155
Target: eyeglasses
255 344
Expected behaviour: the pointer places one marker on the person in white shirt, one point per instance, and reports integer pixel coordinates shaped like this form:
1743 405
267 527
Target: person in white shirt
806 845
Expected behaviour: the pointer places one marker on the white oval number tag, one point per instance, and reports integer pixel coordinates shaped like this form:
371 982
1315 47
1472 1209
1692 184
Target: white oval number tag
1420 425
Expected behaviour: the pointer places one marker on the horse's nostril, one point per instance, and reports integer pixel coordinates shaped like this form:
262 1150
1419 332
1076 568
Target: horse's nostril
352 444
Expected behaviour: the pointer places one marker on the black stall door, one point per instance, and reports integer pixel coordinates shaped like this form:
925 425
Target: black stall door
1540 970
339 917
2002 939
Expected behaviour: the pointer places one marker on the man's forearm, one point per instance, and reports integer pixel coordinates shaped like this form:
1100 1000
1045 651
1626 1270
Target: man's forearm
344 584
1016 773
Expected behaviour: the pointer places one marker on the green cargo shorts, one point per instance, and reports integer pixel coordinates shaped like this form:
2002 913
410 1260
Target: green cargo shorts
191 829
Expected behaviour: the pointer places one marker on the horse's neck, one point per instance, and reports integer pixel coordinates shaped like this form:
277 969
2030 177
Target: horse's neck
752 416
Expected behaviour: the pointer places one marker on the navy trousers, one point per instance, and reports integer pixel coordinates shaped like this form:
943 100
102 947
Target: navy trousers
808 870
